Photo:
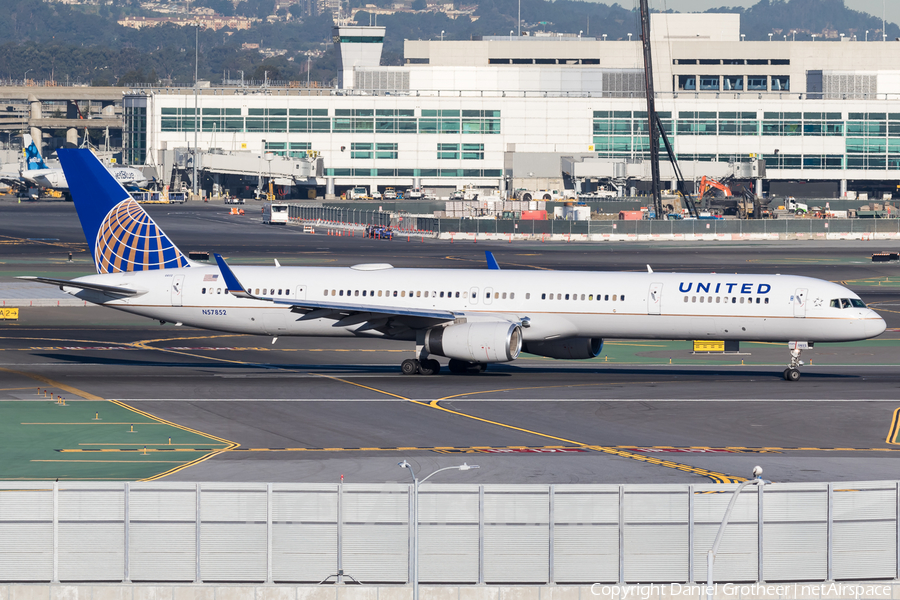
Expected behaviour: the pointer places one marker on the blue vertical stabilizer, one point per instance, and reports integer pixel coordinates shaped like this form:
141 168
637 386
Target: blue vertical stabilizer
120 234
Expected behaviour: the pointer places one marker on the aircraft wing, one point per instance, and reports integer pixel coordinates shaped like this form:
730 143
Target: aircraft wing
338 310
96 287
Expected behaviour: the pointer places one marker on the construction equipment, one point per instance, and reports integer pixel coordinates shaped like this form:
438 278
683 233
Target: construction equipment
730 197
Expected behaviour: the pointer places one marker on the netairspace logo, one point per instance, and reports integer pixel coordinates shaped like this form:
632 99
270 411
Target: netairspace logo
795 590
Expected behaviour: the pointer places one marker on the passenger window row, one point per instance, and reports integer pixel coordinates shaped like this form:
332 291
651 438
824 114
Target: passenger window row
724 300
600 297
397 293
212 291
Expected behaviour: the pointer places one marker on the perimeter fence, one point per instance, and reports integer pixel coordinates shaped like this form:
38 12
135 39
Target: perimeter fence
775 228
468 534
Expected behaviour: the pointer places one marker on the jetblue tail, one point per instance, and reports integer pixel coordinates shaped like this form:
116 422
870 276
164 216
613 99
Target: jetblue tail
33 158
120 234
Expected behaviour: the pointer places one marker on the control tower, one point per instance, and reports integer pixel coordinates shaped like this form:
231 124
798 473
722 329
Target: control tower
357 47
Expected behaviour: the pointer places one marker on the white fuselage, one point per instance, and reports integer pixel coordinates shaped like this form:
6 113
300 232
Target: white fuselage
56 179
556 304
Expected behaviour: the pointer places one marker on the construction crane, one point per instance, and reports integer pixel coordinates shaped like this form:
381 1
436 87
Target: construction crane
655 128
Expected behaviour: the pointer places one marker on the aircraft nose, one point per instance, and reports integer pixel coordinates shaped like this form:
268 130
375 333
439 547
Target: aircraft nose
875 325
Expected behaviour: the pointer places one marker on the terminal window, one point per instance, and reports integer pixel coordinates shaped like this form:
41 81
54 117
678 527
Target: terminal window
385 150
781 124
781 83
709 82
687 82
733 83
757 83
360 150
448 151
309 120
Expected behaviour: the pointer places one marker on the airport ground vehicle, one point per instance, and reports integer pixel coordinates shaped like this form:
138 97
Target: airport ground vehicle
275 214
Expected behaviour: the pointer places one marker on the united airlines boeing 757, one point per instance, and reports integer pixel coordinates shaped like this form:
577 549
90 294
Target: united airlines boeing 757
472 317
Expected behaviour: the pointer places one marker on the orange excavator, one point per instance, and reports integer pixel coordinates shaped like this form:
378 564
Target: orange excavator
708 185
733 199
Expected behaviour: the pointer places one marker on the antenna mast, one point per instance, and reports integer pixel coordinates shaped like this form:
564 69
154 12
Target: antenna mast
651 110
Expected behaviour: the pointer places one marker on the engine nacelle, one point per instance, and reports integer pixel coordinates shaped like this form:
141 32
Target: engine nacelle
479 342
572 348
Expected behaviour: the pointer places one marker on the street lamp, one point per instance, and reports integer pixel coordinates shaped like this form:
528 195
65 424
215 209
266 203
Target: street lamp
442 35
307 70
867 35
711 555
510 34
25 78
416 484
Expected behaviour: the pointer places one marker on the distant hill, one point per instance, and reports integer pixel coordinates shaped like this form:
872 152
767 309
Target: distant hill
825 18
85 42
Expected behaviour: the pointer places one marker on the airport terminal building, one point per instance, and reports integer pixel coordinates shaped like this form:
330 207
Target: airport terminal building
505 111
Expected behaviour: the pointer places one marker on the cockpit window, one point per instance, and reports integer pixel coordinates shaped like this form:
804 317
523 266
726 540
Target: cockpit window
847 303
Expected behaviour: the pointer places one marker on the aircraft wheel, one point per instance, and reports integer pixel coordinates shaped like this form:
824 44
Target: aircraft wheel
410 366
457 367
792 374
429 367
478 367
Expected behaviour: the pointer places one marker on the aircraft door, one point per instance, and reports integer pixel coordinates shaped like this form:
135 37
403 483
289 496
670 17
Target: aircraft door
301 293
654 299
488 294
177 289
473 295
800 302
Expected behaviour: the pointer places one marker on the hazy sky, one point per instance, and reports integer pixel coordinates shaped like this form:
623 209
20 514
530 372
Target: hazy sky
874 7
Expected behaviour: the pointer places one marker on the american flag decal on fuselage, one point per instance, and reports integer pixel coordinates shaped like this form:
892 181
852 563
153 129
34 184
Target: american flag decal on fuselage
129 240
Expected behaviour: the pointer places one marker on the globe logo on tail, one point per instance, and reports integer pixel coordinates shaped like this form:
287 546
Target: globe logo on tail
129 240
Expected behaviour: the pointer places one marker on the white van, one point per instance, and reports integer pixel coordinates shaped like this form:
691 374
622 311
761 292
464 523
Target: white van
275 214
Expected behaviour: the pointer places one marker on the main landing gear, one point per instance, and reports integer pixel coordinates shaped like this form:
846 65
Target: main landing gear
792 373
429 366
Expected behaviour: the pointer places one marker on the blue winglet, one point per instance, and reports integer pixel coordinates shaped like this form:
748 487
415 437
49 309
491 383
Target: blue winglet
492 262
231 282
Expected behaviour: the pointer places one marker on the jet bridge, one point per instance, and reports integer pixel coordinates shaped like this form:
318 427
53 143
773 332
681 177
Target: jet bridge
282 170
222 169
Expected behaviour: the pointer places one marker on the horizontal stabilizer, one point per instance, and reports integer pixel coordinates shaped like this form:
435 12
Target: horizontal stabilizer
97 287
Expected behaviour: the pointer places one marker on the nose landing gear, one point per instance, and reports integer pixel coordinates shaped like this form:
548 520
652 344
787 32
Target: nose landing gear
792 373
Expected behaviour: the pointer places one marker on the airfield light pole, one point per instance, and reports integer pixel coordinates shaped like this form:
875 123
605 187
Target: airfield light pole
416 484
196 116
711 555
519 22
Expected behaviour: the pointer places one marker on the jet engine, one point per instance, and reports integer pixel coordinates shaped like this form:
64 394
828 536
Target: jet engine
578 348
478 342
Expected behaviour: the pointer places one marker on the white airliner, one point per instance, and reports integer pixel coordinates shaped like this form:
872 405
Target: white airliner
36 171
472 317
